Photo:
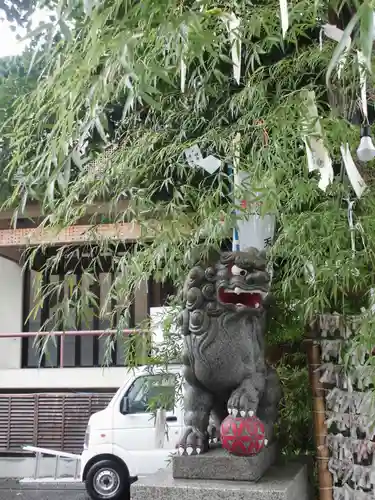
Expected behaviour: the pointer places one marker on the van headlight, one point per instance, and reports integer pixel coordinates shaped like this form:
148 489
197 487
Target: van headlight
87 438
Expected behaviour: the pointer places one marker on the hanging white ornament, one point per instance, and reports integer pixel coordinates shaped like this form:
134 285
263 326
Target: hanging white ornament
284 16
253 229
195 158
354 176
183 74
362 82
366 148
351 225
182 61
334 33
309 273
317 154
232 23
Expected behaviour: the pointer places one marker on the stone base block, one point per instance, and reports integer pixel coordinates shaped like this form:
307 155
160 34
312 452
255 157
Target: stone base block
284 482
219 464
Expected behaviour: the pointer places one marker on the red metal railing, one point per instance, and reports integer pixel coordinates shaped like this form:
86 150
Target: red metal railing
70 333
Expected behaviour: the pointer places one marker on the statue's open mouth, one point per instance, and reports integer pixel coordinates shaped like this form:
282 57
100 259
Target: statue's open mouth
240 297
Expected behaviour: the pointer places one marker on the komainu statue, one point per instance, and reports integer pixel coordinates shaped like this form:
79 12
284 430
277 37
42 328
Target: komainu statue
224 324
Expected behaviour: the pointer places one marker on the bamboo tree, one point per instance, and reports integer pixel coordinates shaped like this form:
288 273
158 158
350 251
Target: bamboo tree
112 78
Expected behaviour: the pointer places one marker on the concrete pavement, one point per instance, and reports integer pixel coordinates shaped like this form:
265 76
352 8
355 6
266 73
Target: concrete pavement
11 489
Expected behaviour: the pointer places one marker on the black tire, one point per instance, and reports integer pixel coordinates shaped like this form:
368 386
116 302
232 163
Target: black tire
108 480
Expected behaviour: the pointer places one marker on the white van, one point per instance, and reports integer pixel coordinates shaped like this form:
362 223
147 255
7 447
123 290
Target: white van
123 442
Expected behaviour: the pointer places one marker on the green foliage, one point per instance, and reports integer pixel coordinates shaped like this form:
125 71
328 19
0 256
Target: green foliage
113 76
15 84
295 425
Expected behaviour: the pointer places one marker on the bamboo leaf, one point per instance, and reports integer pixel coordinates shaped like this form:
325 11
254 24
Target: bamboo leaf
367 33
341 46
100 129
151 101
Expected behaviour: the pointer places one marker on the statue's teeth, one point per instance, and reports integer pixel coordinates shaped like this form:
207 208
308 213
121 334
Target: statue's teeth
237 290
265 442
257 305
189 450
242 413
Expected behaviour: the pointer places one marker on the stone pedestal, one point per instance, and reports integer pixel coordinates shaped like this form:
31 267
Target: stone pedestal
218 464
284 482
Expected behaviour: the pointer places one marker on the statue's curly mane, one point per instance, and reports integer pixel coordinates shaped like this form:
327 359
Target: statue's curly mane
209 321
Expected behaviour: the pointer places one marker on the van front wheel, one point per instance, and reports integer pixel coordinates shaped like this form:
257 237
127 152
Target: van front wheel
107 480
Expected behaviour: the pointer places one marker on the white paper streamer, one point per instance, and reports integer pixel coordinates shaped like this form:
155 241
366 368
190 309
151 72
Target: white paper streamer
236 152
334 33
284 16
317 154
351 225
362 79
182 63
183 74
233 23
354 176
309 273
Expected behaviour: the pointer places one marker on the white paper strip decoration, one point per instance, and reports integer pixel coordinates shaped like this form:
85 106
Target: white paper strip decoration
233 23
318 157
183 74
184 32
334 33
362 79
354 176
284 16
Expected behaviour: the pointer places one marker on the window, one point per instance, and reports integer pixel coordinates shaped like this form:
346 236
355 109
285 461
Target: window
150 392
83 350
78 350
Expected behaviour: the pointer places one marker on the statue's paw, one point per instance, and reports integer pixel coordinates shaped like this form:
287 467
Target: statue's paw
193 442
240 404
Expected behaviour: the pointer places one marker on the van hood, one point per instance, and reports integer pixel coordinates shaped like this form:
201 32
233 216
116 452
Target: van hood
99 418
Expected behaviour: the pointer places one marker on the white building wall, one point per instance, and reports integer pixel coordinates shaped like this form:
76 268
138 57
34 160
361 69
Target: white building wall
10 314
13 377
62 378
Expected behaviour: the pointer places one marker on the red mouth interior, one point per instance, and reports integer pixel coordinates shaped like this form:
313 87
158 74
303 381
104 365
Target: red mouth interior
246 299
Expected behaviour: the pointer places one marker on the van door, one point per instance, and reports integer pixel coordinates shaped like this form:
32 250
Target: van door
134 420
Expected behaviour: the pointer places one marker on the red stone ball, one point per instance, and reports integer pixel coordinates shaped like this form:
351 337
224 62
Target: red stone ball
243 436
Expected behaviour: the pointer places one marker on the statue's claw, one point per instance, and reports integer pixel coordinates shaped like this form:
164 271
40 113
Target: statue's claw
241 404
193 442
213 434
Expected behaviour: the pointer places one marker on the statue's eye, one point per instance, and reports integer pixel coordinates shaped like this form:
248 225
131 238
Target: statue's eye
237 271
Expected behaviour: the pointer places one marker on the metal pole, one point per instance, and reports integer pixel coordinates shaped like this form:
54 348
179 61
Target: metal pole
36 469
62 350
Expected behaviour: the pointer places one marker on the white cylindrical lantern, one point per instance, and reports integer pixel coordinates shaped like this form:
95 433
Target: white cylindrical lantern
253 228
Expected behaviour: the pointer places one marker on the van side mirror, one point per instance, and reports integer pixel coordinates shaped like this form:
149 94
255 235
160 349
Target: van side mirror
125 406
